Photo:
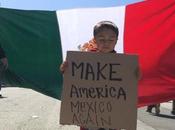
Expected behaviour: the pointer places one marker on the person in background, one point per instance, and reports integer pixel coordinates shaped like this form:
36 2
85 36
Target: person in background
3 66
157 108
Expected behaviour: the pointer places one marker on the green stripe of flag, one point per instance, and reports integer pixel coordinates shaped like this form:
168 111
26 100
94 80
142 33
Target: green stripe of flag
32 44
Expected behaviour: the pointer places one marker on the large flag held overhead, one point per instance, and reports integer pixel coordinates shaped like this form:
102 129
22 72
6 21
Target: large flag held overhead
36 43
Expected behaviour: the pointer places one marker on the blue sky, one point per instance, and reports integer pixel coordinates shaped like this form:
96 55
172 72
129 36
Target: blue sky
61 4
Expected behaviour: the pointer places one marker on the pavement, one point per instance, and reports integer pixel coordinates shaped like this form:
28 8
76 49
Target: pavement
26 109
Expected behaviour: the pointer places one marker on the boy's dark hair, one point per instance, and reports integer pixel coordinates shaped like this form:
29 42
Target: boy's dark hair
105 24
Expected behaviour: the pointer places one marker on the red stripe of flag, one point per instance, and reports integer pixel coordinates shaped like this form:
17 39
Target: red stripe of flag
150 32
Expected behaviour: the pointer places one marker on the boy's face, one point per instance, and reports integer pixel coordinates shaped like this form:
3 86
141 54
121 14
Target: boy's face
106 40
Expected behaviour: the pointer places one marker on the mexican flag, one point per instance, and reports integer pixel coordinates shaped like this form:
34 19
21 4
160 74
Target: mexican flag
36 42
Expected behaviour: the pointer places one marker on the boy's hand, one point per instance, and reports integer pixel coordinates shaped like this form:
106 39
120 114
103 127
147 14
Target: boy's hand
63 66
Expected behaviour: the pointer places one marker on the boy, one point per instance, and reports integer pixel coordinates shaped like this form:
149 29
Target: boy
105 38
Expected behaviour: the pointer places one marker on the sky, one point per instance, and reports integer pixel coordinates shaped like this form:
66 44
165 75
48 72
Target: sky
61 4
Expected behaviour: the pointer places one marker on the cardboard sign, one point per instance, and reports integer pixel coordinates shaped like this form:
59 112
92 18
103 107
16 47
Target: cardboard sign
100 90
